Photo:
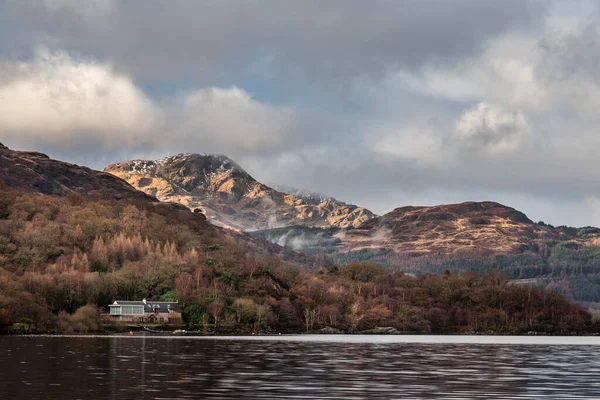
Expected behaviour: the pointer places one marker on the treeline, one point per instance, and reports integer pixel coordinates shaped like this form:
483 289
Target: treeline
566 266
571 268
63 260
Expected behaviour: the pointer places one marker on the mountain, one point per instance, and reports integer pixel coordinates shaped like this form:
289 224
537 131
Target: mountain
28 172
306 195
472 236
37 172
483 227
480 228
229 196
65 258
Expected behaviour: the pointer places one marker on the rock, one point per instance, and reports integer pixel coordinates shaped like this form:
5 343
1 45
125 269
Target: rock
388 330
230 197
328 330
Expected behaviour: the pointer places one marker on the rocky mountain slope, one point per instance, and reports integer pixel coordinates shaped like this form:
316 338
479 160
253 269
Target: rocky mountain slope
472 236
472 226
27 172
466 237
229 196
63 258
451 229
306 195
36 172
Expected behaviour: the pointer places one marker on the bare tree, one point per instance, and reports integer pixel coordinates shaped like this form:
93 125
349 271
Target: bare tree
215 308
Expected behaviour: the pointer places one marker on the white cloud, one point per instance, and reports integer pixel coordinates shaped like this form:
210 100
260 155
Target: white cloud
229 119
549 71
431 106
552 71
452 83
492 129
507 73
414 143
58 98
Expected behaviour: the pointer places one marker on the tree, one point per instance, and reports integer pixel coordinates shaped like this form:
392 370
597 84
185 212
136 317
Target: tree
356 313
99 256
331 313
377 315
363 271
85 319
215 308
245 310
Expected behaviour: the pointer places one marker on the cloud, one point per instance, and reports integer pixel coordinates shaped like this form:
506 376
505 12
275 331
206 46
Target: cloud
380 104
55 97
593 205
57 100
85 9
515 122
552 71
491 129
317 41
229 119
415 143
453 83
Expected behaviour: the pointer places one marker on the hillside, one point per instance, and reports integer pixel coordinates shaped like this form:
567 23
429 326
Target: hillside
64 258
306 195
37 172
483 227
229 196
472 236
32 172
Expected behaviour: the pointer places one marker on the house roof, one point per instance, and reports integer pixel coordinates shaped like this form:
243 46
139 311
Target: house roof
150 306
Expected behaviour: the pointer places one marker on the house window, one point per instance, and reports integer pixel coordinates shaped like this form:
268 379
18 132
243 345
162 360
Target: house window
135 310
115 310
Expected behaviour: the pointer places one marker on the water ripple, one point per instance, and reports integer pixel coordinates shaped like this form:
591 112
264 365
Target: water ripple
282 367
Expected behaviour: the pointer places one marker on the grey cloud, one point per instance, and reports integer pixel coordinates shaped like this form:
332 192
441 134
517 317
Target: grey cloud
311 38
572 53
543 187
84 106
217 119
390 149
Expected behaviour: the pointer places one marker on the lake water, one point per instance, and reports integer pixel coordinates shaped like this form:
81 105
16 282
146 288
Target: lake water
300 367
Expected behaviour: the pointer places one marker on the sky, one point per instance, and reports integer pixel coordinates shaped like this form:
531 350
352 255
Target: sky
377 103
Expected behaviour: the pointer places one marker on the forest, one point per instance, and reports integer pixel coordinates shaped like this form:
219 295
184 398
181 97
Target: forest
64 259
565 266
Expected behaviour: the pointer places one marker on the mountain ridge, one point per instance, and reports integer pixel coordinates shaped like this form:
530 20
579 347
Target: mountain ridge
37 172
482 226
307 195
485 228
31 172
229 195
471 236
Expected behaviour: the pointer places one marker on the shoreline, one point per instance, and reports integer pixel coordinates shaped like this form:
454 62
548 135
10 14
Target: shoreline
192 334
355 339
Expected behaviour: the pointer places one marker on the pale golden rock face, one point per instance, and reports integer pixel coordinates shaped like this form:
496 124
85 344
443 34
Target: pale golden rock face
229 196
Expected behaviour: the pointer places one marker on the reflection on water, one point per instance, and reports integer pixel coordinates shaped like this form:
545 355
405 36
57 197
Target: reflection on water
360 368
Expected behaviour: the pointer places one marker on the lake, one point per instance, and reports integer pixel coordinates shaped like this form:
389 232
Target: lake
299 367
